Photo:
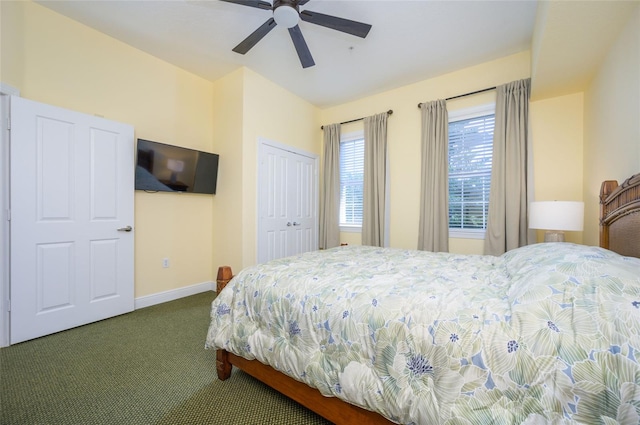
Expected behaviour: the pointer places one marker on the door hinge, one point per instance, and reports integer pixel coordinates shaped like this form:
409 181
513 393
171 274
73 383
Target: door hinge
9 123
8 215
8 305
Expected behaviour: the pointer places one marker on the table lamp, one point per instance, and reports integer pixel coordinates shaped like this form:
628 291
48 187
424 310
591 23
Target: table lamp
556 217
176 166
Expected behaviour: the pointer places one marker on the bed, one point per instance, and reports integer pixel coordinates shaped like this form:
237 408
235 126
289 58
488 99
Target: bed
548 333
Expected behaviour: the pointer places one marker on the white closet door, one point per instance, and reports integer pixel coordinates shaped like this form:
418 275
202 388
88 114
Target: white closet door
302 205
287 202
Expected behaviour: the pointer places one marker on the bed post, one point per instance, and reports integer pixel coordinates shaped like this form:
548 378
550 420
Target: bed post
224 276
223 365
606 188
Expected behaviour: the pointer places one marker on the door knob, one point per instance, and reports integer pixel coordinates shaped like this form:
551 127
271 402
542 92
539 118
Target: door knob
125 229
296 224
288 224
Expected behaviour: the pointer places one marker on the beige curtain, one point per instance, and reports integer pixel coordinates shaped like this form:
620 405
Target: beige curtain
329 232
375 170
507 219
433 232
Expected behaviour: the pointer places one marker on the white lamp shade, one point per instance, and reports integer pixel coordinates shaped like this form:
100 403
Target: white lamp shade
175 165
286 16
556 215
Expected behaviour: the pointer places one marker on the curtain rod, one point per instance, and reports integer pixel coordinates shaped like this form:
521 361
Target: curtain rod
389 112
466 94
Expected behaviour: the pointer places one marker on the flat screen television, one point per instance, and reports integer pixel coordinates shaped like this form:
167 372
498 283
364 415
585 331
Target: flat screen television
168 168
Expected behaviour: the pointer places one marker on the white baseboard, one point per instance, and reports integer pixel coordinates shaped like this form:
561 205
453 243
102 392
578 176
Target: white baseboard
173 294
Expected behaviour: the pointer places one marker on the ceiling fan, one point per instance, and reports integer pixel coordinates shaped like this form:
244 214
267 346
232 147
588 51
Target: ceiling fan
288 14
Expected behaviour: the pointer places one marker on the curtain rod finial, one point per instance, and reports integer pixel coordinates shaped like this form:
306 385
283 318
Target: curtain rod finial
419 105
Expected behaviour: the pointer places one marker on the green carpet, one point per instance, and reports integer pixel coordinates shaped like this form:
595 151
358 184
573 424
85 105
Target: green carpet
145 367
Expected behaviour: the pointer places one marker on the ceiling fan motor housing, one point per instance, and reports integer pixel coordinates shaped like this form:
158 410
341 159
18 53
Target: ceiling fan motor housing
286 13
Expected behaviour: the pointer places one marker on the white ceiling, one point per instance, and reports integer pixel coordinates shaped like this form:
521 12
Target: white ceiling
410 40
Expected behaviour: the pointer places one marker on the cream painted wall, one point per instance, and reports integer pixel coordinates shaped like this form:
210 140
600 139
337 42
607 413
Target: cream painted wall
227 141
557 132
55 60
11 43
612 121
249 107
275 114
404 136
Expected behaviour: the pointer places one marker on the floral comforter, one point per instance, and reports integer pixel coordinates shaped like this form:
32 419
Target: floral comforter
544 334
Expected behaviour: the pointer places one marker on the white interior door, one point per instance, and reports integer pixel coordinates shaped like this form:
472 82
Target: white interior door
273 205
287 202
71 210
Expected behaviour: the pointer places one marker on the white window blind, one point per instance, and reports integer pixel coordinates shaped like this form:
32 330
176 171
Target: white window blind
470 154
351 181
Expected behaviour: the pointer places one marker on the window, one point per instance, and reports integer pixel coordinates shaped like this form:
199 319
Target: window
351 181
470 153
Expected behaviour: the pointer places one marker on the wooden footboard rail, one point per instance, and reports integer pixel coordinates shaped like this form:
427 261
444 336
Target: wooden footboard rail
331 408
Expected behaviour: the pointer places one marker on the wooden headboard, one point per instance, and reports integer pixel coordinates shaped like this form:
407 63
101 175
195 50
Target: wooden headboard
620 216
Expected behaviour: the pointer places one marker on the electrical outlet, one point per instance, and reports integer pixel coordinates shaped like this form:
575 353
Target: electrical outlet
165 262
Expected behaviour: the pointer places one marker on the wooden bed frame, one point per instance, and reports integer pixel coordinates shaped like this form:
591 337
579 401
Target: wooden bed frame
331 408
619 231
620 216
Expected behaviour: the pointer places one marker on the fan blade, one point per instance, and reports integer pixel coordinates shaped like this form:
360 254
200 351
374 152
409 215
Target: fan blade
254 37
301 47
303 2
252 3
345 25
